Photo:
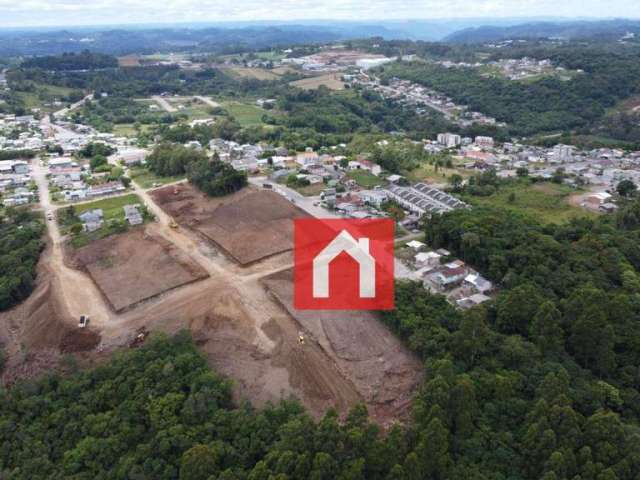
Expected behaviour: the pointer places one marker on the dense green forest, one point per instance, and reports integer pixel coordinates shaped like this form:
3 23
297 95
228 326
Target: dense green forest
542 383
20 247
134 82
158 413
72 61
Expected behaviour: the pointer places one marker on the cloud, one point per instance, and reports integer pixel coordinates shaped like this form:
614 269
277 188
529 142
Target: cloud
93 12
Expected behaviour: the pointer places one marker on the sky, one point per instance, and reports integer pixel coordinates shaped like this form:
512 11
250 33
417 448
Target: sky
20 13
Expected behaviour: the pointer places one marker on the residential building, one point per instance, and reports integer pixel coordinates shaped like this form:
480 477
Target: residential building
484 142
308 157
449 140
132 214
92 220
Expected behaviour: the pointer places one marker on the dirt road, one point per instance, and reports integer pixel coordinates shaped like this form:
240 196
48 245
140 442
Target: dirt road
164 104
61 113
80 294
208 101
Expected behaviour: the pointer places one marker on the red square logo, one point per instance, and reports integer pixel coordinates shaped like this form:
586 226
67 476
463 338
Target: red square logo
343 264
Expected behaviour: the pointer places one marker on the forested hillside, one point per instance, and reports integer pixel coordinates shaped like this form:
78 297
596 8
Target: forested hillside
543 384
20 247
72 61
159 413
546 105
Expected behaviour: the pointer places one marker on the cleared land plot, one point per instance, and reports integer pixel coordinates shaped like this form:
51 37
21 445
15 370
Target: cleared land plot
129 130
428 172
45 94
147 179
244 113
249 225
331 81
548 202
257 73
283 70
364 178
129 61
134 266
383 371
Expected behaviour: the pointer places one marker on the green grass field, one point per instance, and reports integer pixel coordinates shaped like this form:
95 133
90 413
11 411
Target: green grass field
244 113
146 178
113 211
547 202
427 172
111 207
44 94
127 130
364 178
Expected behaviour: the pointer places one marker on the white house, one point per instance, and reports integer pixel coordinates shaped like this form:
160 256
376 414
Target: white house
308 157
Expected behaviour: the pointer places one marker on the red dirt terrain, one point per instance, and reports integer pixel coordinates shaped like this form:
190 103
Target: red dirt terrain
240 316
383 372
135 266
37 332
249 225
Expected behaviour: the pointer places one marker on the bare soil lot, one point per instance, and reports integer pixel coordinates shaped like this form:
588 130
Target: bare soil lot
134 266
332 81
384 373
35 334
249 225
258 73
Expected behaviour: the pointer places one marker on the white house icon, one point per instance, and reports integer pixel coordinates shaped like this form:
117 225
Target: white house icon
359 251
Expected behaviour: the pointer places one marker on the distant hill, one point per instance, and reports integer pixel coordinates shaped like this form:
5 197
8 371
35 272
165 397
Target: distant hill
230 36
121 41
602 30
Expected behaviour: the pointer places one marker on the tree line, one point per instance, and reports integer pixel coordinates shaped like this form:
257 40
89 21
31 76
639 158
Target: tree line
20 246
212 176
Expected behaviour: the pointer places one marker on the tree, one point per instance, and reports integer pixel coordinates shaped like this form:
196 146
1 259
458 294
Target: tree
592 340
546 330
433 451
97 161
200 462
626 188
455 181
517 308
170 159
216 178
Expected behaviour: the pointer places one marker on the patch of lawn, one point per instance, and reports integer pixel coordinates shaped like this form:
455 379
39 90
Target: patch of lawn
364 178
128 130
244 113
311 190
146 178
428 172
42 94
111 207
114 220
